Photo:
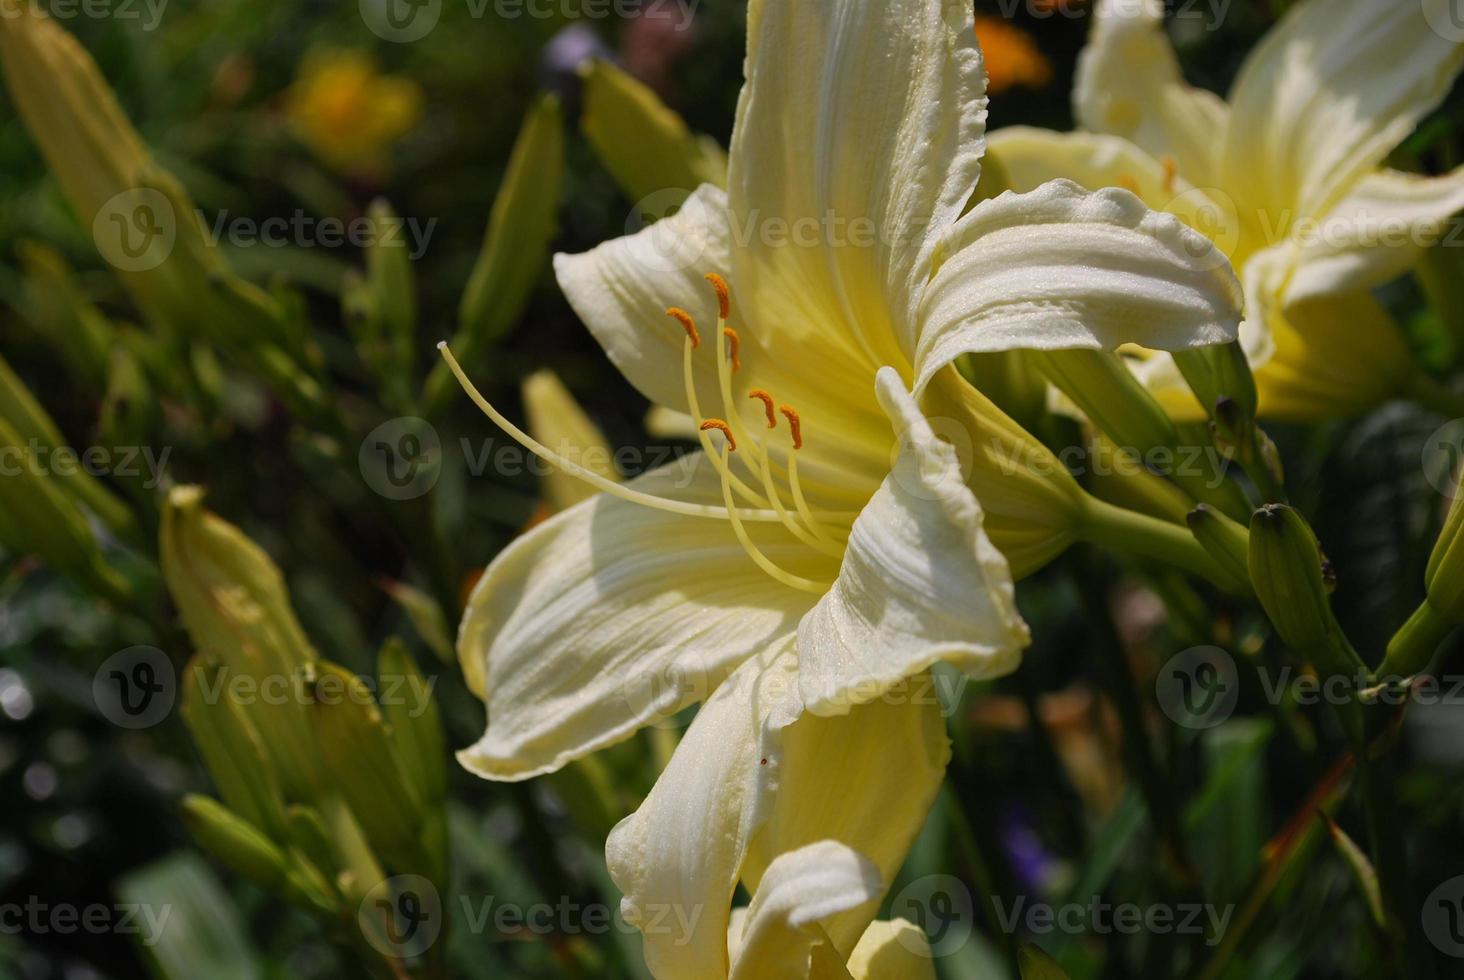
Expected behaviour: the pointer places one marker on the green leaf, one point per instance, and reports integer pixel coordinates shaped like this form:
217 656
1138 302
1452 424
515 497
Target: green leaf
1361 867
426 616
1034 964
204 934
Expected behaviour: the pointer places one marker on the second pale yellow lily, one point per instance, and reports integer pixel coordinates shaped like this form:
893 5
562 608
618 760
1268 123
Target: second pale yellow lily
1286 176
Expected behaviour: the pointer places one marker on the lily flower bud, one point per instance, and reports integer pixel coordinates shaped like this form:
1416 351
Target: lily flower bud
1101 385
557 421
1415 643
1225 541
515 245
38 517
1219 371
1291 576
233 602
34 428
644 145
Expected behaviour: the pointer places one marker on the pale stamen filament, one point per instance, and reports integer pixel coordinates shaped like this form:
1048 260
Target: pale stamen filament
815 535
763 561
592 478
702 436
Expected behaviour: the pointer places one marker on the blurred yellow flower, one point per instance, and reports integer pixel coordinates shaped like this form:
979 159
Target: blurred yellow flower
347 112
1012 57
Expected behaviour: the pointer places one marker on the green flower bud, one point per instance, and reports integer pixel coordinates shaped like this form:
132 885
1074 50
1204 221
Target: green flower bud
1218 372
243 848
358 753
515 247
1290 578
57 306
1101 385
1225 541
1444 578
1416 642
644 145
233 602
38 433
233 840
382 309
38 517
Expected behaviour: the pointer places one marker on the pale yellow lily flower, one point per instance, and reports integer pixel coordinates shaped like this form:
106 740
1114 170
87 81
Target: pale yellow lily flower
847 524
1286 176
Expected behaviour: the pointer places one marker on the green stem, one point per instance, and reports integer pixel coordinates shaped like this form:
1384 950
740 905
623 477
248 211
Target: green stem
1388 858
1122 690
1126 530
1416 642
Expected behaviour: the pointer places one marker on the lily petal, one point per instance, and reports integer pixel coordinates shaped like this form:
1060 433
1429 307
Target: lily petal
895 749
858 141
920 582
1031 157
1129 84
612 615
1336 356
1328 93
676 859
622 288
801 890
1062 268
896 949
1377 233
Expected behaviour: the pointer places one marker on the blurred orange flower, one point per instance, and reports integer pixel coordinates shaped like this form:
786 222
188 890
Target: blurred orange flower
1012 57
347 112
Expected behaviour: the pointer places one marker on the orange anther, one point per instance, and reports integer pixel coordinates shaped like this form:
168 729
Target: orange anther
1127 182
688 324
724 294
724 428
733 343
1171 170
767 401
794 425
